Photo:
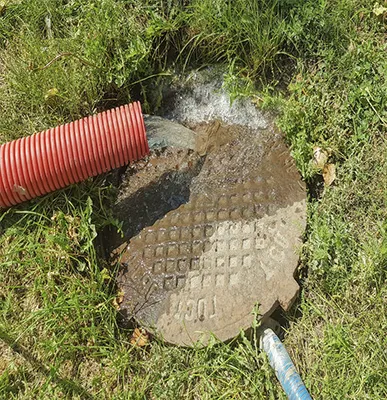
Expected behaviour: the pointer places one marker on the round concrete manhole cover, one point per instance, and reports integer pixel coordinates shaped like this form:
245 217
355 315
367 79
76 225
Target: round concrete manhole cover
204 266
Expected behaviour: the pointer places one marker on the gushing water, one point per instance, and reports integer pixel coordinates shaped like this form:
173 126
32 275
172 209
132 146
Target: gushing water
202 98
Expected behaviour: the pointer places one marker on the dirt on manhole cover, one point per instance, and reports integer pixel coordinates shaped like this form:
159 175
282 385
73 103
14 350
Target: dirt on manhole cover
204 266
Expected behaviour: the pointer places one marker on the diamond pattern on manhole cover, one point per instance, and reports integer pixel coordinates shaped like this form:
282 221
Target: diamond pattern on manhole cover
204 266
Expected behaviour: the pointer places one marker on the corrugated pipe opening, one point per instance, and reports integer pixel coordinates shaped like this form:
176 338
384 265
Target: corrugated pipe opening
70 153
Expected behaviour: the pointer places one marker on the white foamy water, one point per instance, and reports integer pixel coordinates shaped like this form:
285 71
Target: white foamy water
204 99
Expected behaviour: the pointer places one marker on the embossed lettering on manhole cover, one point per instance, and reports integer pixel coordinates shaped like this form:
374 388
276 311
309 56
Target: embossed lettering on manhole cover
204 266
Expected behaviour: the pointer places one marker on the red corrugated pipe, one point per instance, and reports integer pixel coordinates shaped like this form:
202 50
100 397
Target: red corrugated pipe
58 157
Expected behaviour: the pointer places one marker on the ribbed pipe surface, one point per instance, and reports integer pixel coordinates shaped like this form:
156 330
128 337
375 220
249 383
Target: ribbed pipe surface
70 153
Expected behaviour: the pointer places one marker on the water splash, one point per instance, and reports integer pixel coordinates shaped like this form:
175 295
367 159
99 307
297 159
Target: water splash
202 97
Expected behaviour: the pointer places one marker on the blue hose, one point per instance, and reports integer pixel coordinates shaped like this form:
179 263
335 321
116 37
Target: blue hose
283 366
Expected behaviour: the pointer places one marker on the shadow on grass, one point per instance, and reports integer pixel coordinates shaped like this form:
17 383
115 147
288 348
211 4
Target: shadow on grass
69 387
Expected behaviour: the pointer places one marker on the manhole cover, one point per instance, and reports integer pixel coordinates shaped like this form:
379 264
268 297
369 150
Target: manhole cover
204 266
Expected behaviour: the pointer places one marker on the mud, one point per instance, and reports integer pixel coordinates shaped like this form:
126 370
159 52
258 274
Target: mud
211 233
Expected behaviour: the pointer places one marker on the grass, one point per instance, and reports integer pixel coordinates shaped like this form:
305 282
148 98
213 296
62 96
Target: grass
62 59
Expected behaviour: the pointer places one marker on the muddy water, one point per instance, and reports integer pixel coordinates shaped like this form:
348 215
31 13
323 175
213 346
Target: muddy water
232 242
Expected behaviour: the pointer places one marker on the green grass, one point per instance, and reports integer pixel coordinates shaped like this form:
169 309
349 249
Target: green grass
59 336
